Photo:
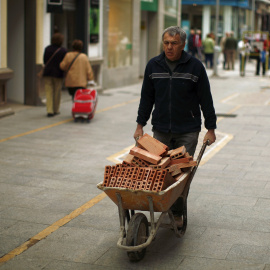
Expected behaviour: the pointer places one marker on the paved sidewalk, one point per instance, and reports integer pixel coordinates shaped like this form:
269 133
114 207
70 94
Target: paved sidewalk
53 170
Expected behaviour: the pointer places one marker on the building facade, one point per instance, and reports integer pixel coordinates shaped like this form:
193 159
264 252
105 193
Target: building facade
119 36
238 16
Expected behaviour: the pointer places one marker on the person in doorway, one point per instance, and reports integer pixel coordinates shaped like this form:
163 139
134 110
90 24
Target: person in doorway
77 67
177 87
230 50
53 75
209 47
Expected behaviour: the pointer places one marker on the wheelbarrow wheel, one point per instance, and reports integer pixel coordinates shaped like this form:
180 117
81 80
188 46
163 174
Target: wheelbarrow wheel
137 234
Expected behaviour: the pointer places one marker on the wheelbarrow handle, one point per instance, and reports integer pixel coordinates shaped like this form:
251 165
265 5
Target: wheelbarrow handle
186 189
202 152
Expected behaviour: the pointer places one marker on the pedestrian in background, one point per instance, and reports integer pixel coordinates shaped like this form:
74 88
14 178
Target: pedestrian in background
77 67
230 50
208 47
198 44
191 46
244 51
53 75
177 87
222 47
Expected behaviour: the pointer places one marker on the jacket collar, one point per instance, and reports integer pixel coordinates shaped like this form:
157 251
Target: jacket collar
183 59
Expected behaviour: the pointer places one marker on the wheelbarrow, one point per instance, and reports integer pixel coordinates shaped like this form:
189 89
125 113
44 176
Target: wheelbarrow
137 236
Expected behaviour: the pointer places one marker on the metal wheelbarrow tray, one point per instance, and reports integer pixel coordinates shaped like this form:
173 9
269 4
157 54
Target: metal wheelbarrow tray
137 236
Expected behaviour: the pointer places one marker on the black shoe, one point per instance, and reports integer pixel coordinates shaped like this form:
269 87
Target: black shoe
56 113
50 115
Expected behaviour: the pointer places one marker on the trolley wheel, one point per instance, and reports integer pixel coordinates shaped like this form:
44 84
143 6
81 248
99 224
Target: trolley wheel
137 234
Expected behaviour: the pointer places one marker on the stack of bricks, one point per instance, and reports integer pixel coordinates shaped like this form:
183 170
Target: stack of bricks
149 166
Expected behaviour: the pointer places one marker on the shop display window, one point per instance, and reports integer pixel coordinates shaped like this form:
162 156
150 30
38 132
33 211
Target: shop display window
120 33
94 46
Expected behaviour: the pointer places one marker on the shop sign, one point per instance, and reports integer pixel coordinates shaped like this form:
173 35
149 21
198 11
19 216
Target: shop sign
149 5
234 3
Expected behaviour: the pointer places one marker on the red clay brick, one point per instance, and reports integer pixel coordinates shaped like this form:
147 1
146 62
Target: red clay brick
134 173
133 184
123 183
162 164
128 183
157 186
106 180
152 145
179 160
112 172
128 159
178 152
140 174
138 185
118 182
149 184
152 175
143 154
112 182
107 170
176 172
140 162
147 172
123 172
143 185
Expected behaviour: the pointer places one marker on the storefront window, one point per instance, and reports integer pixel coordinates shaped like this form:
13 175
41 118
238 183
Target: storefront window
120 33
94 48
170 8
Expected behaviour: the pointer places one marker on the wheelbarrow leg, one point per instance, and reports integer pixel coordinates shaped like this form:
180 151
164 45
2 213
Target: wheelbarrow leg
179 231
121 217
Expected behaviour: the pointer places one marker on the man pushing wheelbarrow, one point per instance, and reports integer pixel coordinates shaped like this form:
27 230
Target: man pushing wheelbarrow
157 173
177 87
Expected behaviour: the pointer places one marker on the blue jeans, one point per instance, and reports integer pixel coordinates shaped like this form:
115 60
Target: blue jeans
173 141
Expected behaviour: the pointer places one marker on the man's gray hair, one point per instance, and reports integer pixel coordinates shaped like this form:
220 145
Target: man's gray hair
175 30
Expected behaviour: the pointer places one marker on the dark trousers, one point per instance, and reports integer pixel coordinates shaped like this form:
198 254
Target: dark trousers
72 90
209 58
173 141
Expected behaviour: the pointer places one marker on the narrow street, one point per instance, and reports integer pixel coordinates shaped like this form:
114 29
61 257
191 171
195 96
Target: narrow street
52 216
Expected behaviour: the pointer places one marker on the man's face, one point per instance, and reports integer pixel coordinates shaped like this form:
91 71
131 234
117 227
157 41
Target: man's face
172 47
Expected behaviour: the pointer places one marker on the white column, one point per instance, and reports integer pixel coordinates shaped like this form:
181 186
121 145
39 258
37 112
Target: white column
206 21
227 18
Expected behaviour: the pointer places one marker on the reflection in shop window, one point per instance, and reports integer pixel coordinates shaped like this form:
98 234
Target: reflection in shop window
120 33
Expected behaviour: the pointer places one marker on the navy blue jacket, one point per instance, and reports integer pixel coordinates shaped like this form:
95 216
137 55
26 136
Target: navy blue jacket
177 97
53 68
